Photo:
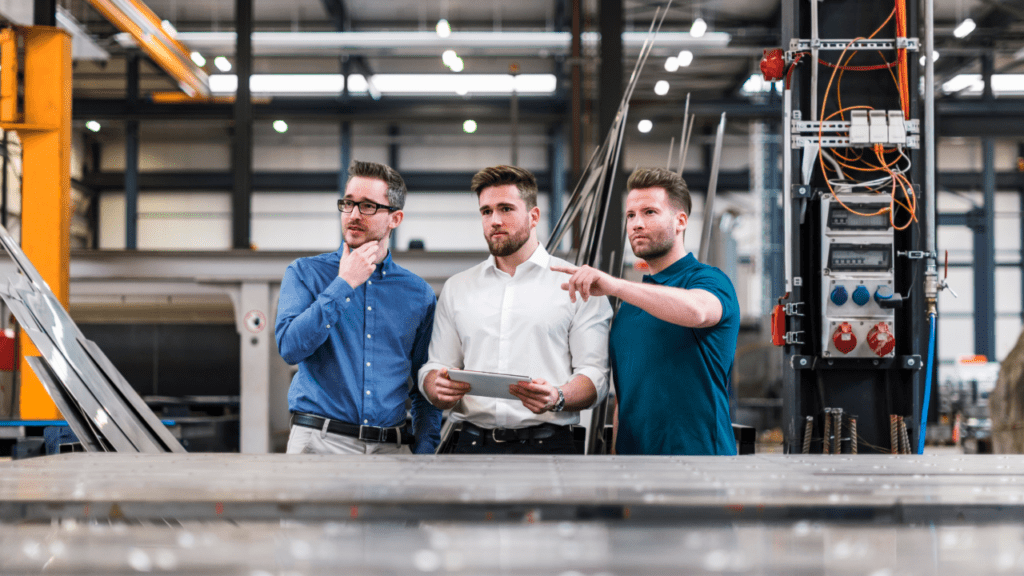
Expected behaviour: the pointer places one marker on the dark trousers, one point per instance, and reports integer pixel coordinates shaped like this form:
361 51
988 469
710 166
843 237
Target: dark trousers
473 440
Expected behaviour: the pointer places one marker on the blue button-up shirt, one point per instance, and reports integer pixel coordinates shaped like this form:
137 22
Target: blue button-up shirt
357 348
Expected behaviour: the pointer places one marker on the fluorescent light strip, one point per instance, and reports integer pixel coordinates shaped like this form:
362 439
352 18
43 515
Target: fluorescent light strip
969 84
395 84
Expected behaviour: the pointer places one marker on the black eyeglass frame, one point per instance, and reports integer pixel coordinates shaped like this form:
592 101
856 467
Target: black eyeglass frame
376 206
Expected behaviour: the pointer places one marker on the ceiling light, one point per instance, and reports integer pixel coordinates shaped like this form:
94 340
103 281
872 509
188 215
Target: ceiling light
685 58
661 87
93 125
198 59
441 84
222 64
280 126
644 126
444 29
458 65
671 64
169 28
698 28
469 126
935 56
448 57
1002 84
965 28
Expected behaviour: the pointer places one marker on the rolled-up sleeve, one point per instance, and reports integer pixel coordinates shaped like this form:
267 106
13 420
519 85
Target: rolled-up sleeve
445 349
588 342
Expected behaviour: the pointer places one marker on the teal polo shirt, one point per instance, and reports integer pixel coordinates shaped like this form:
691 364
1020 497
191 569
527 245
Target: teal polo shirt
673 382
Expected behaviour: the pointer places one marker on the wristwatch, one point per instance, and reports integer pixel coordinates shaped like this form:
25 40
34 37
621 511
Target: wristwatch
560 404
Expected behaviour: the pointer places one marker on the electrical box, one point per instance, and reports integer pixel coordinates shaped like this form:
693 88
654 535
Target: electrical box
858 281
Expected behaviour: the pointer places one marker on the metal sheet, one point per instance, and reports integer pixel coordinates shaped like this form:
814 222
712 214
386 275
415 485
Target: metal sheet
60 337
141 410
893 489
562 548
80 425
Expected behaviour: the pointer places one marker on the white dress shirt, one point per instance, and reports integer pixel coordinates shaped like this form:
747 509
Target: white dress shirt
524 324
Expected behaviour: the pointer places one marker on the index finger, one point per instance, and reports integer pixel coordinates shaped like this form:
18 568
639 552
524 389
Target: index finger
565 269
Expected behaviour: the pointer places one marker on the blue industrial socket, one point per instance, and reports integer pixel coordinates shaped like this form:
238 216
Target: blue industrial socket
861 296
883 292
839 295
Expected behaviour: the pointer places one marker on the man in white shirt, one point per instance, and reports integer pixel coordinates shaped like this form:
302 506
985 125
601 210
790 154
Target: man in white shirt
509 314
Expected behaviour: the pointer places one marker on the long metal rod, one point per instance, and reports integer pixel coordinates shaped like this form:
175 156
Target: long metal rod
929 137
709 198
814 59
787 184
684 140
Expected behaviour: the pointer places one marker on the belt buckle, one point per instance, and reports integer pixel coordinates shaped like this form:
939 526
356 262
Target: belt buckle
365 438
494 436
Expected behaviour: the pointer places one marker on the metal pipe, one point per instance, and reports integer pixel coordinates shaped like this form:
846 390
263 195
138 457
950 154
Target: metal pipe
709 198
929 136
814 59
787 183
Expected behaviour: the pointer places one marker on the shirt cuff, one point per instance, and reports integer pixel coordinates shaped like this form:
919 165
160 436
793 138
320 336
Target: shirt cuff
599 378
422 376
337 291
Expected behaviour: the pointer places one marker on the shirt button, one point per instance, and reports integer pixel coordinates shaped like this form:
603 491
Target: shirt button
367 363
369 281
367 335
347 299
366 421
369 307
367 392
328 325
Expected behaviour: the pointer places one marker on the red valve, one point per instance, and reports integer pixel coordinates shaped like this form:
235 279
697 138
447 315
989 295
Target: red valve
880 339
844 338
773 64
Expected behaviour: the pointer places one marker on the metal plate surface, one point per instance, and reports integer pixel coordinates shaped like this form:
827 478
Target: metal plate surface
561 548
900 489
72 413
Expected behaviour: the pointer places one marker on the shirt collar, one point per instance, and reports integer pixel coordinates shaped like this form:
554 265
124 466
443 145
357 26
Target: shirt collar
673 269
385 265
540 257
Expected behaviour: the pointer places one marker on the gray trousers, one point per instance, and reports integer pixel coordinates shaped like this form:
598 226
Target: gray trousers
304 440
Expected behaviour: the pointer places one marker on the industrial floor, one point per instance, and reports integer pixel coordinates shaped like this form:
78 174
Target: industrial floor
261 515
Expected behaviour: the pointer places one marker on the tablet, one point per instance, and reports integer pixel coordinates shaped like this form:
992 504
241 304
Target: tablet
488 384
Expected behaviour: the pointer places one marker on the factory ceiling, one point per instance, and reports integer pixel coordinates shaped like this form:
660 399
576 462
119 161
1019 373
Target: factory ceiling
399 37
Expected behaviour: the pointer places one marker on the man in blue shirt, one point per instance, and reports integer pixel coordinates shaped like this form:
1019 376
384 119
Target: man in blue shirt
358 326
674 337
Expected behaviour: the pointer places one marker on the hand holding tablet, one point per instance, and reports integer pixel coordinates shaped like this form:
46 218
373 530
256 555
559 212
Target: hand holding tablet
490 384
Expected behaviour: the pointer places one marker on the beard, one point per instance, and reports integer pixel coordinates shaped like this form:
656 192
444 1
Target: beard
366 234
508 245
657 246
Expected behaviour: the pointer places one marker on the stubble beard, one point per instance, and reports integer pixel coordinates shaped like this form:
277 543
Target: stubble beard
656 248
510 244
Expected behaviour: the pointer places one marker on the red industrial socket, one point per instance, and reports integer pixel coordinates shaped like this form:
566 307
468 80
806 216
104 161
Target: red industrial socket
844 338
880 339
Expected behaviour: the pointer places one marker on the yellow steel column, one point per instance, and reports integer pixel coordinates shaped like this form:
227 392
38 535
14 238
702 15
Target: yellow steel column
45 134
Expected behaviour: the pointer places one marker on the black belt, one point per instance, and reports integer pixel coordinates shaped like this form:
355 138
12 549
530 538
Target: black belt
538 432
365 433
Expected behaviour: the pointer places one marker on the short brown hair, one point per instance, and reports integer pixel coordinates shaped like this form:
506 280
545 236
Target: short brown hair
501 175
387 174
674 185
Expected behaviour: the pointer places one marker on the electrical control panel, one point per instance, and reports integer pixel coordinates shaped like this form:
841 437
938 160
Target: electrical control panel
857 277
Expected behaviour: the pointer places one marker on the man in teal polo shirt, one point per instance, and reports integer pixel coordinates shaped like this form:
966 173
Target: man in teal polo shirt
674 337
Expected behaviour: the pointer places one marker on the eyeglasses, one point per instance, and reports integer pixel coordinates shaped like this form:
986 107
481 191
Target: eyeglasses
367 207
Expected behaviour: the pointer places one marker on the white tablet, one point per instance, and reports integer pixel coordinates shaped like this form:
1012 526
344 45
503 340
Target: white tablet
488 384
